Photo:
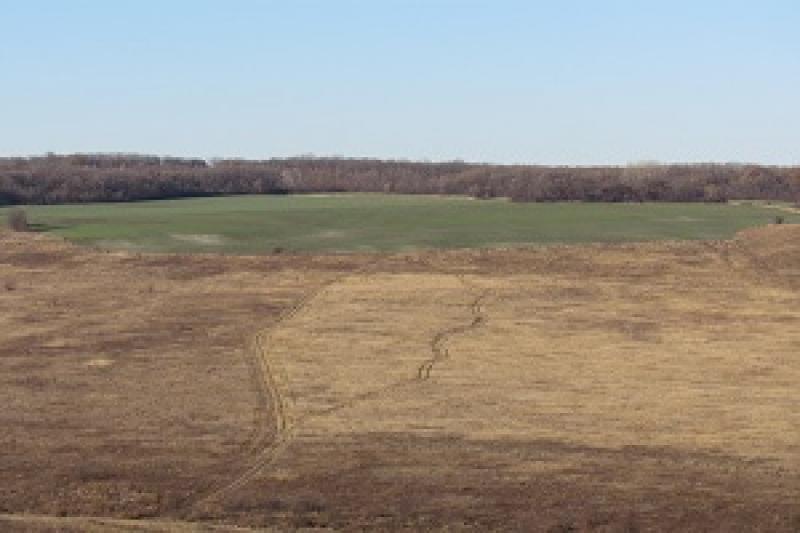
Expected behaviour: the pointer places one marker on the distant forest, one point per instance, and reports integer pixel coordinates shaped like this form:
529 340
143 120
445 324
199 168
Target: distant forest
56 179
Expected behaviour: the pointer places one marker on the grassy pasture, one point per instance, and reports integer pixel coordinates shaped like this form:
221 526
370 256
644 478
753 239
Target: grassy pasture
353 222
629 387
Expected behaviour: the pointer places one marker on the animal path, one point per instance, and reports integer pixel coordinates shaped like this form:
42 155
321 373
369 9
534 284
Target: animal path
439 342
270 394
439 353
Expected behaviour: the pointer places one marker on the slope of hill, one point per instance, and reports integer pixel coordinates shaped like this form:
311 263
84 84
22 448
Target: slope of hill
600 387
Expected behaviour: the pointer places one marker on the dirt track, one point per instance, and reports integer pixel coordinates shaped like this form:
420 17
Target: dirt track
594 388
438 347
265 450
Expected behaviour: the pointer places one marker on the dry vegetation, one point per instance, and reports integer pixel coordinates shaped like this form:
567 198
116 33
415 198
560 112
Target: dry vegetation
568 388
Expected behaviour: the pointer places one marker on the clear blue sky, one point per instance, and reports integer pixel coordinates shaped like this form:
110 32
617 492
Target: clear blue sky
560 82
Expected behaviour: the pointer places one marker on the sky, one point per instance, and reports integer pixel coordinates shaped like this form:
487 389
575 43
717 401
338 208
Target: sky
565 82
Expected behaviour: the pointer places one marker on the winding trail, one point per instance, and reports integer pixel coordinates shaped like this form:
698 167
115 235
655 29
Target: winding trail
275 432
271 402
439 342
439 353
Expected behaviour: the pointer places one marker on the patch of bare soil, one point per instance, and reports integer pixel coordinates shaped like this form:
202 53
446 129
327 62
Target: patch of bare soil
563 388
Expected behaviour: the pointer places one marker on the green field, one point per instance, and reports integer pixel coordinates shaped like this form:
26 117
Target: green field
256 224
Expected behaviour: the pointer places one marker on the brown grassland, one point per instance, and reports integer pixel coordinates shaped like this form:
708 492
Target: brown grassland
561 388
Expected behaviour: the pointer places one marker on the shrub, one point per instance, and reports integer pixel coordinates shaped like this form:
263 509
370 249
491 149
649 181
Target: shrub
18 220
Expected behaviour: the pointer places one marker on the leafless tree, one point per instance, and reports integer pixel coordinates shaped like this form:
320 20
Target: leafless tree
125 177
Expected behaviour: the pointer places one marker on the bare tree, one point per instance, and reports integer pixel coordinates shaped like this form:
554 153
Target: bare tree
78 178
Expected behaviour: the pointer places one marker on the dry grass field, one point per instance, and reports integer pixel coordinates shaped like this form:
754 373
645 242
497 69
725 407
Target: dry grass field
563 388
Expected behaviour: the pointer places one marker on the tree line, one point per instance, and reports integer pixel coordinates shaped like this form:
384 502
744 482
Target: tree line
54 179
123 178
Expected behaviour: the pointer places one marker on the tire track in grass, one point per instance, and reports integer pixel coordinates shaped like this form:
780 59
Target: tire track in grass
267 453
439 349
271 401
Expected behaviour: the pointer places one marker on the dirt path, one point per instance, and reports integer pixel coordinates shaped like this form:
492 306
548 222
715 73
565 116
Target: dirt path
439 353
273 431
439 341
275 424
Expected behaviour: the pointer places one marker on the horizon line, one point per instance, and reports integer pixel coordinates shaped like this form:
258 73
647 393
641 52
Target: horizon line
443 161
